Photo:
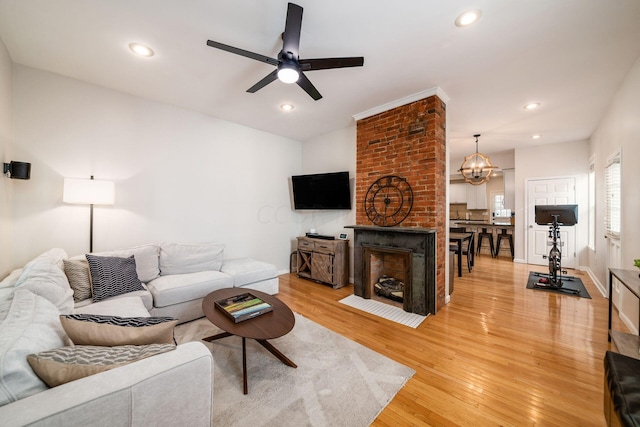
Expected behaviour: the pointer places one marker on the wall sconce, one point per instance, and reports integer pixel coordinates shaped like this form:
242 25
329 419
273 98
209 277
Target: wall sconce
17 170
88 192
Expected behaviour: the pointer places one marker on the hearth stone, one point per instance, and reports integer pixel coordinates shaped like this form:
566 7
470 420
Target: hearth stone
420 298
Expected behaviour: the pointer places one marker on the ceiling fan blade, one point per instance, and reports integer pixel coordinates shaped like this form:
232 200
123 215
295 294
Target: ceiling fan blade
262 83
243 52
291 35
308 87
327 63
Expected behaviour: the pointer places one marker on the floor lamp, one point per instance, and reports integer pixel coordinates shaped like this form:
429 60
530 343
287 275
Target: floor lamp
88 192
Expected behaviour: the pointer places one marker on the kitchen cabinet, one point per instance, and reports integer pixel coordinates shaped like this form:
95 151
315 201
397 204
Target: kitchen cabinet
476 196
458 193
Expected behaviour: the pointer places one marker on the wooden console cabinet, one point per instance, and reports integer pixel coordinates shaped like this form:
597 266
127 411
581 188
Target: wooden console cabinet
325 261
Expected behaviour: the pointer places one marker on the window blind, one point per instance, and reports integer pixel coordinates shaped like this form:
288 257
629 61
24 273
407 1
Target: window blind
613 197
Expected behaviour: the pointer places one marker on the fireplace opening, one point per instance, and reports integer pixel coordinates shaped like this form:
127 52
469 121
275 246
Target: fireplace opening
388 275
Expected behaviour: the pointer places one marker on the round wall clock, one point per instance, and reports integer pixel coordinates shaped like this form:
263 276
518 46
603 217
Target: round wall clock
388 201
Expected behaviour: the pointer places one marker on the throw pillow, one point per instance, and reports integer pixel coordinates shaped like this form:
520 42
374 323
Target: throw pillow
146 260
89 329
79 278
111 276
182 258
61 365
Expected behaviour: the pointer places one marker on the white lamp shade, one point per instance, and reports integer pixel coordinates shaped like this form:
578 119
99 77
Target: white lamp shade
88 192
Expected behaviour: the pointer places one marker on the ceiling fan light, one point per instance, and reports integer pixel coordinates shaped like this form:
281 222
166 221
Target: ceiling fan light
288 75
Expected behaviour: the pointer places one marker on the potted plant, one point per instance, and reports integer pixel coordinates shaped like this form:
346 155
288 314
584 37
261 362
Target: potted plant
636 262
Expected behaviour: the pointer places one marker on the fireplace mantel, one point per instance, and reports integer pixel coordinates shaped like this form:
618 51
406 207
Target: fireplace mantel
422 244
411 230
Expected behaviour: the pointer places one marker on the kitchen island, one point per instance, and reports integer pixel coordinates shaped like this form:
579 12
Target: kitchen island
494 227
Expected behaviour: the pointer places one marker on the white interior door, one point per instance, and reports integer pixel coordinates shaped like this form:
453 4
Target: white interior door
554 191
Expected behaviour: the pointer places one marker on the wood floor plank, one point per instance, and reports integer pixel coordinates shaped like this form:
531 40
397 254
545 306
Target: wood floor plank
497 354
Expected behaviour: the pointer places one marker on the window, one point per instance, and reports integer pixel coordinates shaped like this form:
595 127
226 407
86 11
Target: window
592 205
498 206
612 192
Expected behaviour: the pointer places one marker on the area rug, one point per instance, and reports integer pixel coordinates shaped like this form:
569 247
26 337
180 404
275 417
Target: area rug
386 311
570 285
338 382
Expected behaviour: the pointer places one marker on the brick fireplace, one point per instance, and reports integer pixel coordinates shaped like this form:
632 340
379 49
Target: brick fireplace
408 141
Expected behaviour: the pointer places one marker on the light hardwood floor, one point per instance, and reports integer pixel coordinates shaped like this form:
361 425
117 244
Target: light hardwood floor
497 354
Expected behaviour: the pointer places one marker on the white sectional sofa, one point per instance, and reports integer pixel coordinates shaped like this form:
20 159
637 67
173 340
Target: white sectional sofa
178 276
152 391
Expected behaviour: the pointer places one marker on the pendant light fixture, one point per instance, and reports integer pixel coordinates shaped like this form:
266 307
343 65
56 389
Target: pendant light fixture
476 168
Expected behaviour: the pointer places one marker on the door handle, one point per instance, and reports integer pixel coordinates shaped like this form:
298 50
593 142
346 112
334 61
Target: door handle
531 226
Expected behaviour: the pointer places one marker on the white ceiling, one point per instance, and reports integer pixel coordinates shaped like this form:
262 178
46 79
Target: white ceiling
569 55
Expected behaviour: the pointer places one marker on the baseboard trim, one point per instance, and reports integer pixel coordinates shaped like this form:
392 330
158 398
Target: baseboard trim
603 289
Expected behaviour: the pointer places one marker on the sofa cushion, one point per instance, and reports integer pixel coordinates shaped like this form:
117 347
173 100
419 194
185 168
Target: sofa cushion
121 305
183 258
61 365
54 255
177 288
247 270
89 329
146 260
144 296
29 324
43 277
112 276
79 276
10 280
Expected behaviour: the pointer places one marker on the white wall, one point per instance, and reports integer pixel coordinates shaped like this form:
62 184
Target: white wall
552 161
332 152
180 175
6 137
620 128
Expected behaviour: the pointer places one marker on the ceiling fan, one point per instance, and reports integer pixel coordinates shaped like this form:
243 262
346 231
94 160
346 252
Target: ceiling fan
289 66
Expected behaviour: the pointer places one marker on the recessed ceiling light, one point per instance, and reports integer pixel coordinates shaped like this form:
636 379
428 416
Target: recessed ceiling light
536 136
531 106
287 107
141 49
468 18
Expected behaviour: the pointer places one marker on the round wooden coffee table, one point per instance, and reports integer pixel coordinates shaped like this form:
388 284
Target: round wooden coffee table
267 326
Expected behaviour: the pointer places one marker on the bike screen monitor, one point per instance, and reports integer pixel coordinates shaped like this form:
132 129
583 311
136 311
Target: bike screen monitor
564 214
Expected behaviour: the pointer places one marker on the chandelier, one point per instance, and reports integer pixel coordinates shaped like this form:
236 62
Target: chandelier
476 168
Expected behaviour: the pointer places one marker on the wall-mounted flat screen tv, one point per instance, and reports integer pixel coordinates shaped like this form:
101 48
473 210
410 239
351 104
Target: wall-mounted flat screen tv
565 214
321 191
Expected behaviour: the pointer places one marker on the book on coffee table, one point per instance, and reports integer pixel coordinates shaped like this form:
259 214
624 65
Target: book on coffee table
243 307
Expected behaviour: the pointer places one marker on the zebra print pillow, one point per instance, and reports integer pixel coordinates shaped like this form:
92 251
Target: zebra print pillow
111 276
64 364
90 329
79 278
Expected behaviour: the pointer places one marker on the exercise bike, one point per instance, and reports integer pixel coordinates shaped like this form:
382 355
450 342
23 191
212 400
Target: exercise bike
555 216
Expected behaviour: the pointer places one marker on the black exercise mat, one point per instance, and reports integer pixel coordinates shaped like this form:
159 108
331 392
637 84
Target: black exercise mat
570 285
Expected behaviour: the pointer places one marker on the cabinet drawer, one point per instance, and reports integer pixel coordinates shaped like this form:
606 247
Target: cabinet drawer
325 248
305 244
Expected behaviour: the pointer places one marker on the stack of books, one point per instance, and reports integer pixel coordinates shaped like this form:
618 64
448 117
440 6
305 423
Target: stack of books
243 307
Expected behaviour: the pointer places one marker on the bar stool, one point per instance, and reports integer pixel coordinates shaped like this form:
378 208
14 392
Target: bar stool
504 235
488 235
